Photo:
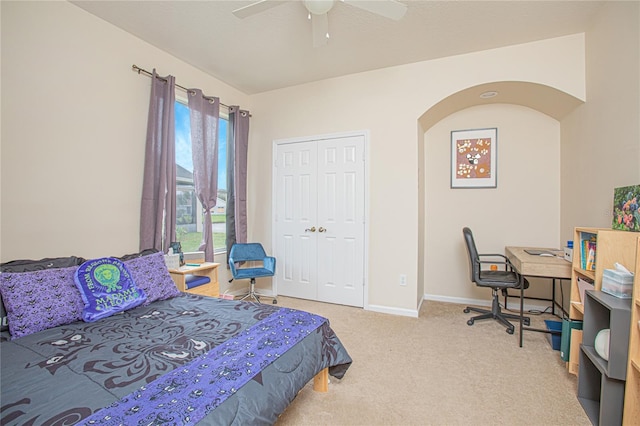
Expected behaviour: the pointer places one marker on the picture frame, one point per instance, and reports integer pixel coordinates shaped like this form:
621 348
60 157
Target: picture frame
474 158
626 208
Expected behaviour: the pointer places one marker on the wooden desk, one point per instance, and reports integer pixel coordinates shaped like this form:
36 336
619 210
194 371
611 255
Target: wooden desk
529 265
210 270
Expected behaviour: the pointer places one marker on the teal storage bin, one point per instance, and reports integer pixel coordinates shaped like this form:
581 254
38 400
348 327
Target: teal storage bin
555 339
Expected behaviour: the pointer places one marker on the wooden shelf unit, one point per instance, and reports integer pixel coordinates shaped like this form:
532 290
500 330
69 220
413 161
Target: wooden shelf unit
611 246
632 388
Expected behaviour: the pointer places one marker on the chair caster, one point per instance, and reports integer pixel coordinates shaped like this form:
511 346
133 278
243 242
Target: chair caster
526 322
510 330
470 322
275 302
466 311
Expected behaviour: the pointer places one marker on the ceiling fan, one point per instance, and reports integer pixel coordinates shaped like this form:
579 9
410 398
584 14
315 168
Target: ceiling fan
318 10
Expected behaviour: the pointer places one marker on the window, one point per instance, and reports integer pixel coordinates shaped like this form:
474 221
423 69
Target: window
189 216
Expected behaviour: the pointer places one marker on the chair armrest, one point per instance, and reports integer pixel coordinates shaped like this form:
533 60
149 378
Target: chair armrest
506 262
499 262
232 266
269 263
495 255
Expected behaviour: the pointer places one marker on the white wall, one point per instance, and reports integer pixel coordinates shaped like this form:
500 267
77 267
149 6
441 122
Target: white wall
601 139
388 103
74 119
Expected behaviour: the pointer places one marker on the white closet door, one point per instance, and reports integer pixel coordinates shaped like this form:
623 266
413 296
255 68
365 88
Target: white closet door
296 218
319 223
341 221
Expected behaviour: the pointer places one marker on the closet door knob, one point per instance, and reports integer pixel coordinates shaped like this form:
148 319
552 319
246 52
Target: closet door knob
322 229
312 229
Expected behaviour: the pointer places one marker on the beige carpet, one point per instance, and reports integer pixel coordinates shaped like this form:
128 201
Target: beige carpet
436 370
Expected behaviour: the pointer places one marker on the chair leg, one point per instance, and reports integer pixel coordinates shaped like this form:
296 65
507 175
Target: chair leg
254 295
486 315
495 313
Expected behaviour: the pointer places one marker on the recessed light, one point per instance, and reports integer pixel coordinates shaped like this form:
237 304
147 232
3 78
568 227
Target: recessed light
487 95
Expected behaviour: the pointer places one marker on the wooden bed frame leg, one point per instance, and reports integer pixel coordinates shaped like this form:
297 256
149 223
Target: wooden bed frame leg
321 381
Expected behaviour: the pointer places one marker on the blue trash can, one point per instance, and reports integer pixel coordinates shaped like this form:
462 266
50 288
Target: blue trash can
555 339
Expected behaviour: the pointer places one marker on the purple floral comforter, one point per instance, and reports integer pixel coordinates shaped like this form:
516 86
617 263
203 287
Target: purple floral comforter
67 374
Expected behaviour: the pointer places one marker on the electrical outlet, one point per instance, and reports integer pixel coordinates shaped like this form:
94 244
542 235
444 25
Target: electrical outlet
403 279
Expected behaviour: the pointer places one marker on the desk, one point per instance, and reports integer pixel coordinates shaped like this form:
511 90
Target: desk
553 267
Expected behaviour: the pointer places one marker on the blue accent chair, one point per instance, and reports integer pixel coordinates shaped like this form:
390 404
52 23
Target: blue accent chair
261 265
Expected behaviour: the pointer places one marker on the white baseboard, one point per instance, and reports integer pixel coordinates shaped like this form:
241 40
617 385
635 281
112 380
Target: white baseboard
394 311
513 303
414 313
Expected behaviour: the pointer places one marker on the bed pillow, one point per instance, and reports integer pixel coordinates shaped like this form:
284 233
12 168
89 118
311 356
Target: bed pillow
106 287
142 253
39 300
28 265
151 275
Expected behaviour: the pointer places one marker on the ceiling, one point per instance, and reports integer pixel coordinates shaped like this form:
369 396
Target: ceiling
273 49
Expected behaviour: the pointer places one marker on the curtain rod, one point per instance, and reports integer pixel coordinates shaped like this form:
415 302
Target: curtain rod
139 70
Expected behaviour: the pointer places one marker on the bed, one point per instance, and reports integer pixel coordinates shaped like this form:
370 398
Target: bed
177 359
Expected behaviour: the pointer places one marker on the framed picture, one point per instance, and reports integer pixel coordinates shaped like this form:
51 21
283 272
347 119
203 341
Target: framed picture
473 158
626 209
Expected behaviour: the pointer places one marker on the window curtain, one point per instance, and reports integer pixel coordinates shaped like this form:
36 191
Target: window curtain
204 113
237 149
158 209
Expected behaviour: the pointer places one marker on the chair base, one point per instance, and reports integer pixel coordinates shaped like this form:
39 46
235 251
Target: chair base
496 314
254 295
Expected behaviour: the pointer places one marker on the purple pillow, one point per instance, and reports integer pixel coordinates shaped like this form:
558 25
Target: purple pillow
151 275
106 287
28 265
39 300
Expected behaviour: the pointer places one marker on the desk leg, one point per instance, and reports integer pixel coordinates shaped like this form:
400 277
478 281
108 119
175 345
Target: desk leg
553 296
521 307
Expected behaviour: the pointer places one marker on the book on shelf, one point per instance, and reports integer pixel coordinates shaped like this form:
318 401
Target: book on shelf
591 257
588 254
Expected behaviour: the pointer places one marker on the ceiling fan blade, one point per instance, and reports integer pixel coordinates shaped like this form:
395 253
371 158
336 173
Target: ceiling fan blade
319 29
257 7
391 9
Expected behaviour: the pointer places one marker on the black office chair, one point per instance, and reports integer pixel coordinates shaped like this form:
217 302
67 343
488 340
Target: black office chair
254 253
498 280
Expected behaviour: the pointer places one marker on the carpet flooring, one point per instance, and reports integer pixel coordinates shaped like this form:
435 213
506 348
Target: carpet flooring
437 370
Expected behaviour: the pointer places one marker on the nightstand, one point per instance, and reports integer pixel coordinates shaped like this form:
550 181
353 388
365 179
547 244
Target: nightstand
210 270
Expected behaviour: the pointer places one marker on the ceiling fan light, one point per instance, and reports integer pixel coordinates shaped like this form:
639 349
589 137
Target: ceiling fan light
318 7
